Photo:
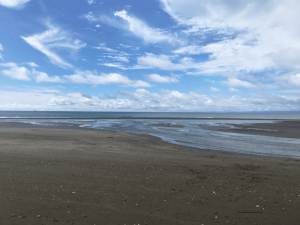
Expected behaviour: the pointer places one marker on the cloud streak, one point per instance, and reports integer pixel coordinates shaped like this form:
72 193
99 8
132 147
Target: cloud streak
130 23
142 30
162 79
54 38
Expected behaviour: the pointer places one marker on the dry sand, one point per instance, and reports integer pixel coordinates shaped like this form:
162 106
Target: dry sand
59 176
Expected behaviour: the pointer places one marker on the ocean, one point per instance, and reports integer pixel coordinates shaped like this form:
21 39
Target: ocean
178 128
77 114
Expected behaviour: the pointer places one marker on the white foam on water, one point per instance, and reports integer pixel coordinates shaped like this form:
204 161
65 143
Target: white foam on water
84 125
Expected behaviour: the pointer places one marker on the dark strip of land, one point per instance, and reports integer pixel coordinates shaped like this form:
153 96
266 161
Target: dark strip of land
128 117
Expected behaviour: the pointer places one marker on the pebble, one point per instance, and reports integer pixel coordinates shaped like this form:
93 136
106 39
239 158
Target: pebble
38 216
257 206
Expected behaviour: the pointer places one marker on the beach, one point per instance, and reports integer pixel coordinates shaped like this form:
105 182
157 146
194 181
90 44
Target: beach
85 176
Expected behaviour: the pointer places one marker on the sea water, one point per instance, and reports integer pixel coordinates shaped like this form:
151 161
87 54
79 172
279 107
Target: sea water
77 114
177 131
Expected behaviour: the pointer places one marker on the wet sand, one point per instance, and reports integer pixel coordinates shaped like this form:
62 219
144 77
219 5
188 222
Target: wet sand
61 176
283 128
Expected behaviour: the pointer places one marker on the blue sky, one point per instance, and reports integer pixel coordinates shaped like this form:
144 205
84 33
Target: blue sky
156 55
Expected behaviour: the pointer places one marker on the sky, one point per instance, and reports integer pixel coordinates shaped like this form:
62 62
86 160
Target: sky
154 55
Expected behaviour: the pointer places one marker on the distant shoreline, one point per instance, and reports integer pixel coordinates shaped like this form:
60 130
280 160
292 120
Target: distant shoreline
132 118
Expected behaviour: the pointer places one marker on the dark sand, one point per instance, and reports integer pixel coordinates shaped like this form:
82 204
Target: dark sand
59 176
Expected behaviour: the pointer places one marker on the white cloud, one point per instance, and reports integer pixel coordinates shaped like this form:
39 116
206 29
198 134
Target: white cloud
294 79
86 77
18 73
249 36
22 73
137 83
168 100
32 64
233 89
9 64
234 82
15 72
13 3
140 94
201 15
77 79
119 58
54 38
111 21
43 77
214 89
125 46
287 59
153 61
164 62
104 48
81 77
142 30
190 50
289 80
143 100
115 65
90 17
162 79
89 77
91 1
